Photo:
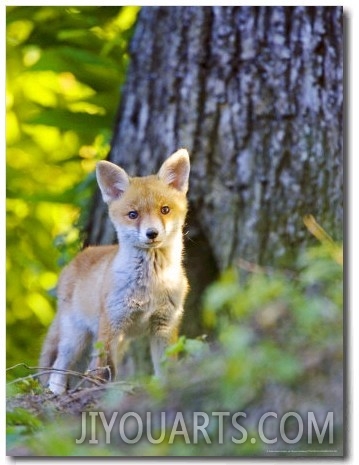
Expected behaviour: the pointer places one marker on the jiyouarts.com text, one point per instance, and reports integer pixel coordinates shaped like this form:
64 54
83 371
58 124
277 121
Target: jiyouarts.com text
214 427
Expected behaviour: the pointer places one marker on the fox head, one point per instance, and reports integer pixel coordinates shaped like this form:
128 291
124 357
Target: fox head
147 212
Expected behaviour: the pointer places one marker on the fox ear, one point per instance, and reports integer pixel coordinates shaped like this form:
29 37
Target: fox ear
175 170
112 179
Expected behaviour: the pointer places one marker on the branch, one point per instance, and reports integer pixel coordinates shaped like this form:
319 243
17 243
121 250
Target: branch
46 370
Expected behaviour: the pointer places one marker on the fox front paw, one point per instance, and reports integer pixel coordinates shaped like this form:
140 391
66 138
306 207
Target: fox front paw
57 386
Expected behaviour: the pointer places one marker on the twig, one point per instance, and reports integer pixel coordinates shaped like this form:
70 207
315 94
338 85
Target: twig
46 370
88 376
74 395
317 231
22 364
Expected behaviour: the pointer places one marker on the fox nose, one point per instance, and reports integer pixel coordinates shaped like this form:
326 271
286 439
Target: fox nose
152 233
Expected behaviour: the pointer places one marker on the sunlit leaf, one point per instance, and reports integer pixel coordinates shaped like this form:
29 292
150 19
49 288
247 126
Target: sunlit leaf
18 31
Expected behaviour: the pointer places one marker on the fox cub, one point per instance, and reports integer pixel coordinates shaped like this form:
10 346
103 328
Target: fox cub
108 294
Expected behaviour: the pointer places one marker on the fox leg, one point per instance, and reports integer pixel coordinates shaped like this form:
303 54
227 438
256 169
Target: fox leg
105 362
163 332
158 346
49 352
71 349
160 338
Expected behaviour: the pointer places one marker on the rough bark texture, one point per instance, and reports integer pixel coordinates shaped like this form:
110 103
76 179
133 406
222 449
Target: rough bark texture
255 94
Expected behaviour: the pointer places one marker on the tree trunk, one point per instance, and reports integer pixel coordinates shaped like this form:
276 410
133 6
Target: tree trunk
255 94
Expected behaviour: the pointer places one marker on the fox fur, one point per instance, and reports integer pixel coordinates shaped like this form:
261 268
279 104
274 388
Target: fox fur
109 294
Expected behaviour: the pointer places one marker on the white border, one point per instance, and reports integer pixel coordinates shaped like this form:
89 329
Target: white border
351 10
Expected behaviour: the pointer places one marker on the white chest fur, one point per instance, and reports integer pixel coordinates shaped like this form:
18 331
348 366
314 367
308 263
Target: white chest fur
147 285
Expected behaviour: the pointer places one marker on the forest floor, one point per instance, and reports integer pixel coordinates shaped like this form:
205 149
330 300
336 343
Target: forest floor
71 403
32 411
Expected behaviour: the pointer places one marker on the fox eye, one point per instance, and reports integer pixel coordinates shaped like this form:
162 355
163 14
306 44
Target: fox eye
133 214
165 210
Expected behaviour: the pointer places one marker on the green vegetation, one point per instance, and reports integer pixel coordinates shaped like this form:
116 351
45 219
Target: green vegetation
65 67
278 347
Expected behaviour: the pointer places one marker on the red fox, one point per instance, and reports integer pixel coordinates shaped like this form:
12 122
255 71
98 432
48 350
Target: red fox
108 294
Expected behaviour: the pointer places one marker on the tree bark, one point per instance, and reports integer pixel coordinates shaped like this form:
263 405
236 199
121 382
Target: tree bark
256 95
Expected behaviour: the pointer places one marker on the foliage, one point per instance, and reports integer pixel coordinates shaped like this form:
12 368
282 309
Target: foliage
20 422
278 345
65 66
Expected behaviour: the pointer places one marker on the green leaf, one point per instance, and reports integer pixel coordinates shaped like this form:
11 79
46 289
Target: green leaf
21 417
66 120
